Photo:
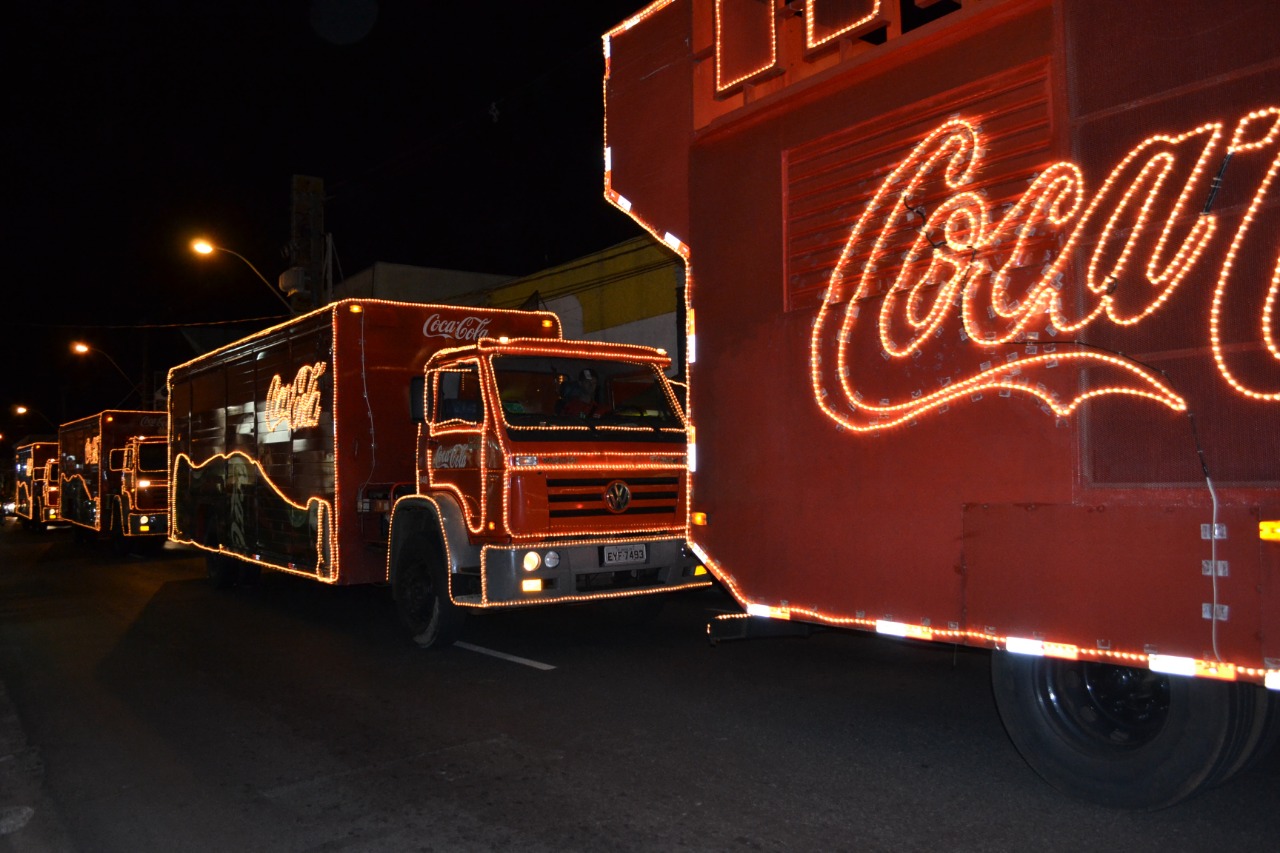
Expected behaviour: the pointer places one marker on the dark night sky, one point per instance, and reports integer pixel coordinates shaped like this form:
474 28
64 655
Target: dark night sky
452 134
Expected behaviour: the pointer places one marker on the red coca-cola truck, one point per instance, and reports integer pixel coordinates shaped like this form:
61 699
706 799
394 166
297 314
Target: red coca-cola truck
35 499
468 457
983 345
114 477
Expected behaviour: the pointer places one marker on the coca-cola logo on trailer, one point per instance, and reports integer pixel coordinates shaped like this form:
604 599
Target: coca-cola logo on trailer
460 329
960 277
296 404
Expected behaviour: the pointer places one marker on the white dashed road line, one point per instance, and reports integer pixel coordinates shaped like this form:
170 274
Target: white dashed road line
482 650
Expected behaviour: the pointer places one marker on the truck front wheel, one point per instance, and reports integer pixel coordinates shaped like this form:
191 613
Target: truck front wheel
421 591
1120 736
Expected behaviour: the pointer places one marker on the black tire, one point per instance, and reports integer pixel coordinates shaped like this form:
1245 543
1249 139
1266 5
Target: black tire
419 585
120 545
1255 731
1117 736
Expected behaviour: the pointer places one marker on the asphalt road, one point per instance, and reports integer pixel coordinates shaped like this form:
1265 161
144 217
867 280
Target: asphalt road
156 714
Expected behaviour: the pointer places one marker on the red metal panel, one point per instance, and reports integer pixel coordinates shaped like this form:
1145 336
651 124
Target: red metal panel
1112 577
745 41
647 123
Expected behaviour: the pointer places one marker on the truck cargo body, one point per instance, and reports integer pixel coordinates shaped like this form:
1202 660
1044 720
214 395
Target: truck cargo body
36 482
982 341
304 449
113 474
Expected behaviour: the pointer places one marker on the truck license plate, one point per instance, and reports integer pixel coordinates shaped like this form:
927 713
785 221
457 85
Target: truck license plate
625 555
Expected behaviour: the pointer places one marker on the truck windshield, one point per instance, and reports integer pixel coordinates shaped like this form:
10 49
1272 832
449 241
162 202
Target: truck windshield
544 390
153 457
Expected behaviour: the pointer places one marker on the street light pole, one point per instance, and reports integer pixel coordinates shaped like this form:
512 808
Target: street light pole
23 410
204 247
81 348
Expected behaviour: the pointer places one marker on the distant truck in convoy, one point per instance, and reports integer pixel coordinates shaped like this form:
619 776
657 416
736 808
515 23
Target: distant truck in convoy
983 346
36 482
470 458
114 477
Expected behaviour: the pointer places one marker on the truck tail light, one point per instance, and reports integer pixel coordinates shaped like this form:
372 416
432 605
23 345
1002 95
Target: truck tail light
531 585
1269 531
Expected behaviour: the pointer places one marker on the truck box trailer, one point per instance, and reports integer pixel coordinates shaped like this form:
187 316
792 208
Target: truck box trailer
36 482
468 457
982 340
114 477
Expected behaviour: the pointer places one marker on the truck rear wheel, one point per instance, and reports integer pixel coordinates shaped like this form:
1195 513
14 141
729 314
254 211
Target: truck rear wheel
1119 736
119 542
420 588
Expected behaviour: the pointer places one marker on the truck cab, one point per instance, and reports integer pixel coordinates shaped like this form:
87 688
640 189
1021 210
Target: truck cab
36 483
143 503
548 471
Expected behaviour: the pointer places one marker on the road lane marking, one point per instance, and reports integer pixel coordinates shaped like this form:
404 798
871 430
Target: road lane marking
482 650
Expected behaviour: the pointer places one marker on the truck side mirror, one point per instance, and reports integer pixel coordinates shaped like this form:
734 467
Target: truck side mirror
116 459
417 384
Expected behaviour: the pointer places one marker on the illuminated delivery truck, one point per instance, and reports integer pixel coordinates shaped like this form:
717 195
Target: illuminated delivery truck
983 345
468 457
36 483
113 470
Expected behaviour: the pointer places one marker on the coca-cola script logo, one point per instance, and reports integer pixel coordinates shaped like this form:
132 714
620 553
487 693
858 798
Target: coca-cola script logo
154 421
459 329
966 300
454 456
298 403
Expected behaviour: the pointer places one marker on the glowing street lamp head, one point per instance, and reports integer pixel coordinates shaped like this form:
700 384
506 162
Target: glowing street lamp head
202 247
80 347
22 410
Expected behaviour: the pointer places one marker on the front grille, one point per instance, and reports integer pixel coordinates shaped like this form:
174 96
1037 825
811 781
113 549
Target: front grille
583 497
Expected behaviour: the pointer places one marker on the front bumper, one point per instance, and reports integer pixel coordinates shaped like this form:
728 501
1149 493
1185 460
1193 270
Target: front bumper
148 524
581 572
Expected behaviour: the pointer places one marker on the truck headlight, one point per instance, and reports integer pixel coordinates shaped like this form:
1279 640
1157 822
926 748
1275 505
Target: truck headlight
552 559
144 484
532 561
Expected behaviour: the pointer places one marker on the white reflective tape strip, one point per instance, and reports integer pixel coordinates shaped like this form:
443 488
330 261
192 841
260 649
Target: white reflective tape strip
691 456
1172 665
1273 681
672 240
504 656
893 629
758 610
608 47
624 203
1021 646
608 158
702 555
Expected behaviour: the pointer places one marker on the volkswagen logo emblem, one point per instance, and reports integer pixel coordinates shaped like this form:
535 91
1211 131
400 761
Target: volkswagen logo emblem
617 496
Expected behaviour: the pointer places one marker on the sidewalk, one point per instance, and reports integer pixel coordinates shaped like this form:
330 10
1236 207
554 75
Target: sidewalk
28 821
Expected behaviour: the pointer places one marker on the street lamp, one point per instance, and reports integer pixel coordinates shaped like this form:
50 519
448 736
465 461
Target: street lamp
204 247
24 410
81 348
